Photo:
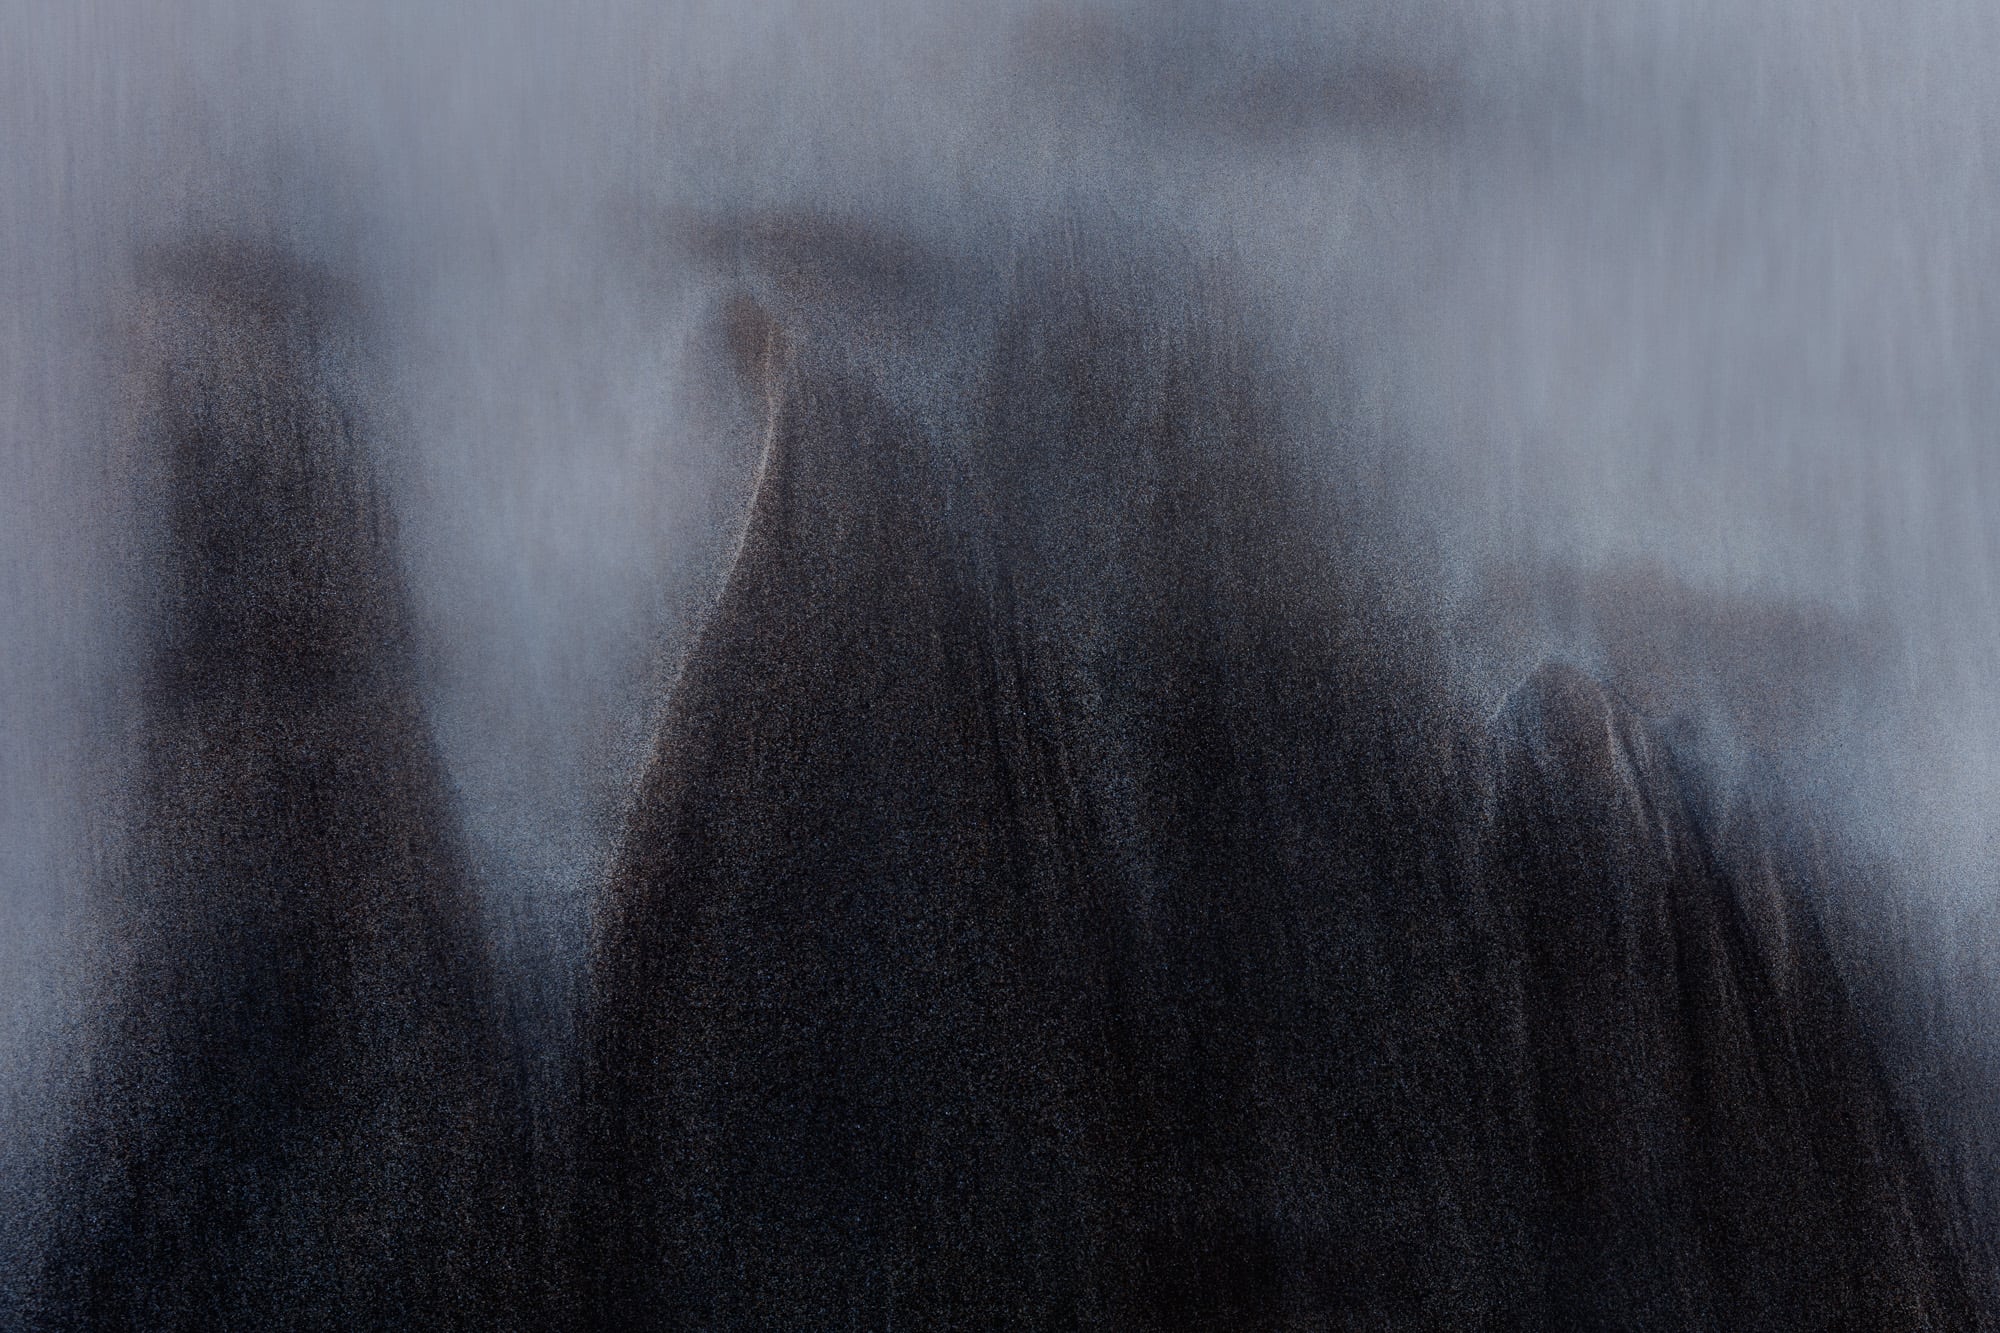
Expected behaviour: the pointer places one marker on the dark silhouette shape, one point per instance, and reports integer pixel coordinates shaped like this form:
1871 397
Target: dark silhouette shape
298 1113
1718 1144
1066 893
1069 891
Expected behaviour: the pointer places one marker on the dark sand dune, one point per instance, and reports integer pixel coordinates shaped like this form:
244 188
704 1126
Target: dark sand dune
297 1113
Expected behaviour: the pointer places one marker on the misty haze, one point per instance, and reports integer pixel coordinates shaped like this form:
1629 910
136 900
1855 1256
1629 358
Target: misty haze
1120 664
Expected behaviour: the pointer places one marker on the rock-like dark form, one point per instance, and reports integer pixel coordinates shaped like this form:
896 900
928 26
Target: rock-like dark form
1717 1143
297 1113
812 1080
1066 894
